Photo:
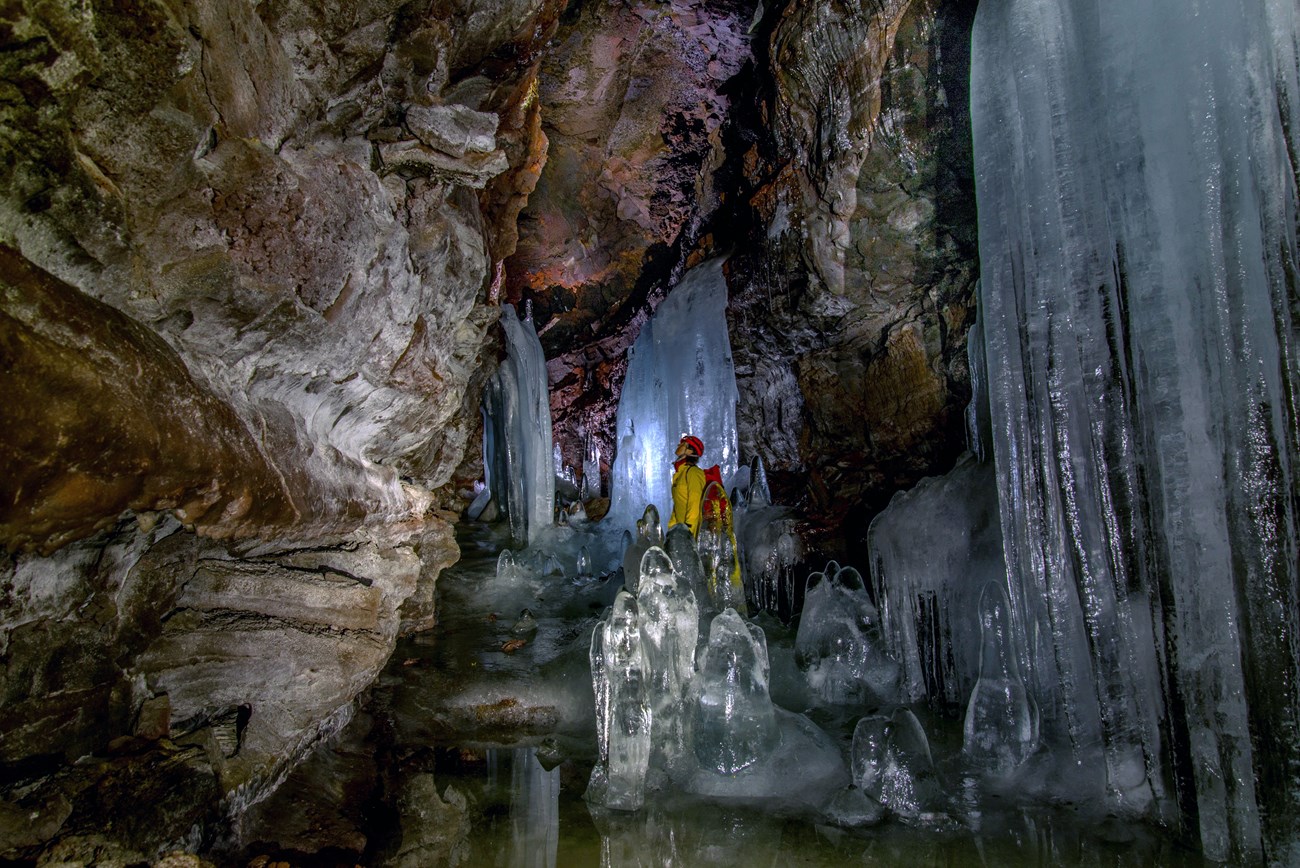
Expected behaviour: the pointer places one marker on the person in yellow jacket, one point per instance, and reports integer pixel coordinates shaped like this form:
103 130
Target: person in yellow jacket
690 484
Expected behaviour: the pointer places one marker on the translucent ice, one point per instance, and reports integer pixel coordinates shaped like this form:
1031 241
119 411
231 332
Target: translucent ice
1001 728
624 714
734 721
517 432
717 550
680 379
648 533
680 546
838 645
891 762
669 622
1135 172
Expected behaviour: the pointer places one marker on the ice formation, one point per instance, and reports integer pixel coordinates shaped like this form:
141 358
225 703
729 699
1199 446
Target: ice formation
769 544
928 594
680 547
717 550
680 379
838 645
649 533
517 454
1135 176
734 721
891 763
1001 727
669 621
624 716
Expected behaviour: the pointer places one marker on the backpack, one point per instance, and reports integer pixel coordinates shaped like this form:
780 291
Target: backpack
715 508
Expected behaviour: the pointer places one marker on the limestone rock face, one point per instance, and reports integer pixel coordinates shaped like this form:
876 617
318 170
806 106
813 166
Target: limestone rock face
635 102
249 257
852 291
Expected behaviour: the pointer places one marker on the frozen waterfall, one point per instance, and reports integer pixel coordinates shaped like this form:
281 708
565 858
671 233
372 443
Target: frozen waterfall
1136 167
517 454
680 380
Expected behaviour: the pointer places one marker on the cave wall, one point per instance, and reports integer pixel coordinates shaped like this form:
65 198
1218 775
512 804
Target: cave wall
854 274
249 262
825 148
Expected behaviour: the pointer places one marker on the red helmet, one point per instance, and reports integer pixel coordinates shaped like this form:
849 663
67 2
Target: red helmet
692 444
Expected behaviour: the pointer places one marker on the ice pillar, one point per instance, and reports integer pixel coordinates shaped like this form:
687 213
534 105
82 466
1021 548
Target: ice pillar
517 437
680 380
1135 177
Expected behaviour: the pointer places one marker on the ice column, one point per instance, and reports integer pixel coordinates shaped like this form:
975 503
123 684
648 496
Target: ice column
517 432
1135 177
734 723
680 379
623 711
1001 728
669 620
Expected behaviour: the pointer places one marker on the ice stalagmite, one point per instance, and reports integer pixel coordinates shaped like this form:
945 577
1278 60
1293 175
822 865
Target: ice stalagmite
1001 728
517 432
669 621
1135 177
649 533
734 722
838 645
680 380
891 763
929 593
620 681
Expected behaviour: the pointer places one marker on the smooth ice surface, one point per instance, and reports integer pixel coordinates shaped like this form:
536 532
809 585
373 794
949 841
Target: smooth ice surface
517 453
1135 176
1001 728
838 646
669 620
621 682
891 763
734 721
680 380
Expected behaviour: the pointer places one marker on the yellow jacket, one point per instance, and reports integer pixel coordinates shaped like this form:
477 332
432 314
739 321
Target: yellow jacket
688 492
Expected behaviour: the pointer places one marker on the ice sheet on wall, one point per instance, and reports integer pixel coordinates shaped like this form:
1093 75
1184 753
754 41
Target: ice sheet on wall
1137 223
680 380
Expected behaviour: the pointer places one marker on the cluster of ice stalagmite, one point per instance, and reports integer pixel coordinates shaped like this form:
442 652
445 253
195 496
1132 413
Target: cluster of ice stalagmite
839 645
1135 173
680 380
517 456
706 722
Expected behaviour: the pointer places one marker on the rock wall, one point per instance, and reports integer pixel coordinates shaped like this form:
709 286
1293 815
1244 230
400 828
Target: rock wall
825 146
248 265
853 278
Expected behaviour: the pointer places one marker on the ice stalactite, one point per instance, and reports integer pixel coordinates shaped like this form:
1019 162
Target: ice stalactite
680 379
1135 173
517 453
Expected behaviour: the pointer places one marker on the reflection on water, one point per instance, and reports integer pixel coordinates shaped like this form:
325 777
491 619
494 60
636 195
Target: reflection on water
534 808
529 817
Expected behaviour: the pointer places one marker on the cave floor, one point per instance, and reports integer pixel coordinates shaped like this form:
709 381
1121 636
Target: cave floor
477 742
